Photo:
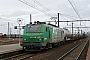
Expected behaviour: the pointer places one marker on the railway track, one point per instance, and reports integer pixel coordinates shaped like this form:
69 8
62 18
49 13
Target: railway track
54 54
20 56
51 54
11 53
26 55
74 53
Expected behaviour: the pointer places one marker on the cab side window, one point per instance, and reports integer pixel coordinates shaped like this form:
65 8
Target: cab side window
47 29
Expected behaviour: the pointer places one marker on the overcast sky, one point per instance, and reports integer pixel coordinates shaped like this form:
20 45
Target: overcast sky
11 10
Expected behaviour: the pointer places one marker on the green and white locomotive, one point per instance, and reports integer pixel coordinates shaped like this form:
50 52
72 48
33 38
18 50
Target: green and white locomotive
42 36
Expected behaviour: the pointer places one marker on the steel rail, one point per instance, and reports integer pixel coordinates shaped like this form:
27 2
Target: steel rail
20 56
10 53
69 51
28 57
14 56
82 51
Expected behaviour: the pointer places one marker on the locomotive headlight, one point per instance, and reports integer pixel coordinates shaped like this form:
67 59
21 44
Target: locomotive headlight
25 39
45 38
39 39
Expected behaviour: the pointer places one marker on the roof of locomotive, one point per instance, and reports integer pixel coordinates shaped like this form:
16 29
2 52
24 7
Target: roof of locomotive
51 25
43 23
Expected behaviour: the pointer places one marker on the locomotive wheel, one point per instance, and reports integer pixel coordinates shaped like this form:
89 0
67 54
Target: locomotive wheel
23 48
61 43
50 46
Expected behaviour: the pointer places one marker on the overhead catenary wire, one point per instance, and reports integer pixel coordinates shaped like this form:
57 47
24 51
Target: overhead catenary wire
75 5
48 10
45 10
68 16
33 6
51 11
65 19
74 9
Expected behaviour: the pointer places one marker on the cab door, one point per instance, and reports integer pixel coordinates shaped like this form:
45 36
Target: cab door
48 33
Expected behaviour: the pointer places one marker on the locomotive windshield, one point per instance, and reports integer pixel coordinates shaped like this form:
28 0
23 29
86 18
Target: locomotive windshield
33 28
